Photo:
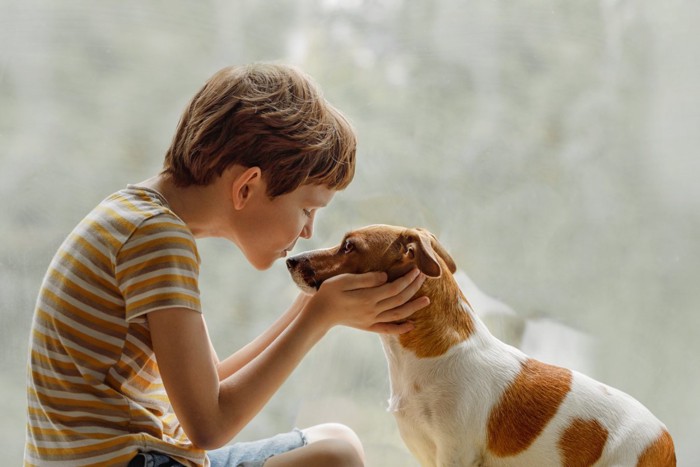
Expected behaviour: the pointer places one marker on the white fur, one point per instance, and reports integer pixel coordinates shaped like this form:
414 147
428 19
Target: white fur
442 406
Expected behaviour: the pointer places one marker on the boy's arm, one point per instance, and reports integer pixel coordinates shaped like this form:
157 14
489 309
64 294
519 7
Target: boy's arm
212 410
251 350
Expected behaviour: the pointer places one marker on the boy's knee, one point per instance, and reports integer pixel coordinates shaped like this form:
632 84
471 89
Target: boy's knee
338 452
339 434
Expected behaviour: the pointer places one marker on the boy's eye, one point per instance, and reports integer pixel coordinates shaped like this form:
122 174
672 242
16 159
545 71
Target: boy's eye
307 212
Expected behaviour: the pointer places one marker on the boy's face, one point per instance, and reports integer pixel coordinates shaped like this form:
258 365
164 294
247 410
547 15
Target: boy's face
269 228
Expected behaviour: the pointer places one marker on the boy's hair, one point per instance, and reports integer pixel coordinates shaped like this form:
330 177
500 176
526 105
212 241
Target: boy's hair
263 115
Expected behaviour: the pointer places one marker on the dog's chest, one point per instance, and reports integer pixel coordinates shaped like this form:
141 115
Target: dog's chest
430 396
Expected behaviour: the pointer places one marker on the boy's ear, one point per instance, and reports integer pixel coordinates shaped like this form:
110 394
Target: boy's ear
244 185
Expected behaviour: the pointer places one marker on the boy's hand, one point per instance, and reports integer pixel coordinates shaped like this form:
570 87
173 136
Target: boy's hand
368 302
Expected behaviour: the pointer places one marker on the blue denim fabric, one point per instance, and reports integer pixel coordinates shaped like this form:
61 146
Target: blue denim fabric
255 453
248 454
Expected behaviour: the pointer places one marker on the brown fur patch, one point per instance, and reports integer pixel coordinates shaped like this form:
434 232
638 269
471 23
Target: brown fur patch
526 407
440 325
660 453
582 443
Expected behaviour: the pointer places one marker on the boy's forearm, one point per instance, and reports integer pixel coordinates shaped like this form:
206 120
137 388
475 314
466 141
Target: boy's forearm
211 410
247 353
243 394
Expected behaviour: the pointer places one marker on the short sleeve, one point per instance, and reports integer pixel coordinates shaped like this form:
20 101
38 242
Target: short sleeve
158 267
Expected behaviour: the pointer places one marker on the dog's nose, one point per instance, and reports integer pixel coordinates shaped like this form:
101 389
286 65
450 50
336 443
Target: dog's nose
292 263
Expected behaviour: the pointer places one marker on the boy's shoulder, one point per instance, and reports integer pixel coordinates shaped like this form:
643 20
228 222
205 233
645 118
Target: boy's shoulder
130 213
136 205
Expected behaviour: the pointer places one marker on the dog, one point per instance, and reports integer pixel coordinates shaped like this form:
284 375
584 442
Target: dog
461 397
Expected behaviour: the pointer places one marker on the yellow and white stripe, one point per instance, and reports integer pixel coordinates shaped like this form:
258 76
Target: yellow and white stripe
95 396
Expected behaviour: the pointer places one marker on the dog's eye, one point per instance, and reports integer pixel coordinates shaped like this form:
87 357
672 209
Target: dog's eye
348 246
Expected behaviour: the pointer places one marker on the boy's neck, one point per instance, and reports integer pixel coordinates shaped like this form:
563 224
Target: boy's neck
193 204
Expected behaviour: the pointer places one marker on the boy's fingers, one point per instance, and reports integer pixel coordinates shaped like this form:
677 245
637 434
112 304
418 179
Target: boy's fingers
361 281
392 328
367 280
395 287
404 311
404 295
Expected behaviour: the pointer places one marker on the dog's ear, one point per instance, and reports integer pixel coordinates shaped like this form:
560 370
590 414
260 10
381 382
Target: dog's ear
439 249
419 249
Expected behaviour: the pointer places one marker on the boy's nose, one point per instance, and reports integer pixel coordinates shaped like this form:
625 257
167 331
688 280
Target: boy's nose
308 229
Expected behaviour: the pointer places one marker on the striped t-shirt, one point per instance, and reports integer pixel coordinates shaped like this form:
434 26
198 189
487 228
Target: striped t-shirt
95 395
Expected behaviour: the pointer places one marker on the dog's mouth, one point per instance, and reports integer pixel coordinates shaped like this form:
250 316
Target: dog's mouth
303 275
313 282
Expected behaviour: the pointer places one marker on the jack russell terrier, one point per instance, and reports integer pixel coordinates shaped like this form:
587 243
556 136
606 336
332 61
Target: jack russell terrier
461 397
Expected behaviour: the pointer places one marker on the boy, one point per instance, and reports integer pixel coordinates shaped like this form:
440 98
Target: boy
257 152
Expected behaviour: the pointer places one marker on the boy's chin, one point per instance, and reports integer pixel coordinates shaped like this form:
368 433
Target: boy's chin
263 260
262 264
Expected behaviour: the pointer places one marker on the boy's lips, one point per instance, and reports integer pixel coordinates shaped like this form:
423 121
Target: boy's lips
287 250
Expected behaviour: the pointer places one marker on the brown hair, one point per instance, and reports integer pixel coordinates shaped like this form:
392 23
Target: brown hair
268 116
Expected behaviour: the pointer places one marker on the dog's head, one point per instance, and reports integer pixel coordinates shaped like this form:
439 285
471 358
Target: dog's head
394 250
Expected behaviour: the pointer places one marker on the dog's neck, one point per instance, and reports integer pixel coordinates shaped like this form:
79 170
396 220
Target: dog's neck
447 321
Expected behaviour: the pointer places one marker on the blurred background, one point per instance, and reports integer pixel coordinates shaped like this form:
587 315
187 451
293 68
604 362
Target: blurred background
552 146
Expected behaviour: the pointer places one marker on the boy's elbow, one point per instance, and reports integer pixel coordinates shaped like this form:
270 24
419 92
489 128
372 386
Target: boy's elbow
209 424
206 438
209 435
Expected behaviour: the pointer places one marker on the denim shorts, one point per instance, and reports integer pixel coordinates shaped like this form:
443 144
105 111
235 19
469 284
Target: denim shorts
255 453
246 454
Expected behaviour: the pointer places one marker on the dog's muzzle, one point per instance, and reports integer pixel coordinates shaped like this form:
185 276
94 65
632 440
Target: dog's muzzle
302 272
292 263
